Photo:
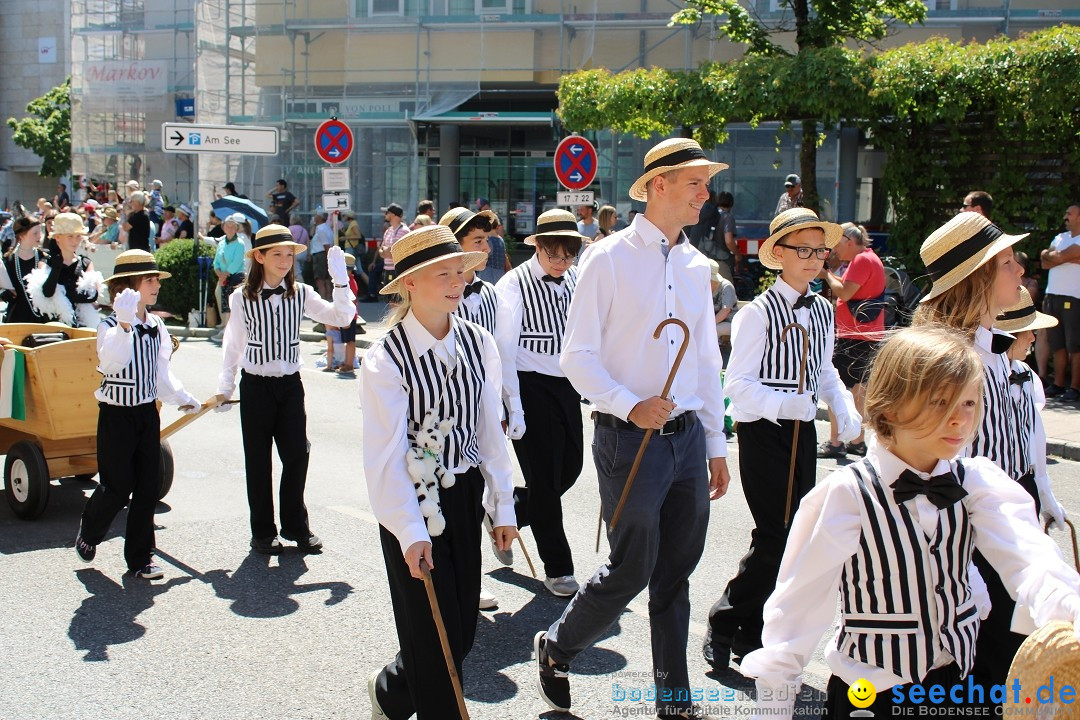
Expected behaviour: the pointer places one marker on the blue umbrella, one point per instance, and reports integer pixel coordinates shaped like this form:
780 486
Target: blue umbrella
232 204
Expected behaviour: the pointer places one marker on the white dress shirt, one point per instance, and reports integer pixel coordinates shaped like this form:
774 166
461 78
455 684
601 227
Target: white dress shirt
338 314
625 289
752 400
385 405
114 347
508 330
825 533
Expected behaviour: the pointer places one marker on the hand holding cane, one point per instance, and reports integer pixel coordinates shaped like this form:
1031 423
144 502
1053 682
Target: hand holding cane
795 433
433 601
649 432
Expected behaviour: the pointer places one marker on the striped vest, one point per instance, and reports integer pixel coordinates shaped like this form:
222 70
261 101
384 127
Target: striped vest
543 317
1024 402
483 312
454 394
781 359
136 384
897 570
274 333
999 437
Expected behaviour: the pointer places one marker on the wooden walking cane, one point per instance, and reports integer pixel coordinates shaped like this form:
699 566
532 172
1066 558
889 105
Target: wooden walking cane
443 640
649 432
795 433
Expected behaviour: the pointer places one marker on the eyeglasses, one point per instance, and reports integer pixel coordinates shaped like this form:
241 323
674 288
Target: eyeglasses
804 253
965 206
559 258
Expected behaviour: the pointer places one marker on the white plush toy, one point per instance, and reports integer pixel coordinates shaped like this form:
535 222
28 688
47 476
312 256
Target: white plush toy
424 461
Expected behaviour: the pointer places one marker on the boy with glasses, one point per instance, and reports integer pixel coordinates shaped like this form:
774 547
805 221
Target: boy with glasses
534 299
762 382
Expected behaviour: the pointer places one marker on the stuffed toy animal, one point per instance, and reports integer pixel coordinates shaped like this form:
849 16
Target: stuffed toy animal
424 461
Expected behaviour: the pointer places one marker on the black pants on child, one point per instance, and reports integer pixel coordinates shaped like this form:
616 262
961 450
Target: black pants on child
764 461
129 468
550 454
839 707
272 413
417 681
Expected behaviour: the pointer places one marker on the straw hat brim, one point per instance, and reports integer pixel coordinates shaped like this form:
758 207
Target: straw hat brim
638 191
162 274
1050 651
953 278
284 243
1041 321
833 233
531 240
473 260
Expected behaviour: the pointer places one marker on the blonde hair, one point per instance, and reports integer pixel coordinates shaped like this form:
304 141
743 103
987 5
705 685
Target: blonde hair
963 306
400 309
918 377
606 218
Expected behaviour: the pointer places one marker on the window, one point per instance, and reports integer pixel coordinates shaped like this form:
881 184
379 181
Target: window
934 5
484 7
386 7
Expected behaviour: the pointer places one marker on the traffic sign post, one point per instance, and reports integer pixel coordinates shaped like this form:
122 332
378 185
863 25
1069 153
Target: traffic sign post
575 163
334 141
237 139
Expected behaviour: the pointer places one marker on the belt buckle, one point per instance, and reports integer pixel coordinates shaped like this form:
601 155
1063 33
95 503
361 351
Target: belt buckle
673 430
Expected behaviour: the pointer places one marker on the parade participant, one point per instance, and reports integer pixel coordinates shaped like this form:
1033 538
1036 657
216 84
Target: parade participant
134 354
631 282
975 278
433 377
777 440
67 286
534 299
21 259
893 536
262 339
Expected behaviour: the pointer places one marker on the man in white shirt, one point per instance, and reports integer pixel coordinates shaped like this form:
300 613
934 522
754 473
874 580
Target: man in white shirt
587 225
1062 260
634 280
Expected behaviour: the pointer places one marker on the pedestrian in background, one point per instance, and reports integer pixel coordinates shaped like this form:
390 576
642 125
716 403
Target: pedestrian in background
498 263
1062 263
792 196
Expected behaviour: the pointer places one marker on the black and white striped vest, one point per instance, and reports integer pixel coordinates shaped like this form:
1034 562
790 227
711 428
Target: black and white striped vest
453 393
483 312
274 333
999 436
1024 403
781 359
136 384
543 317
887 584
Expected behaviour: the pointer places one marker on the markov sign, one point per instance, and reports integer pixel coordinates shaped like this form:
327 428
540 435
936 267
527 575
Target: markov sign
133 85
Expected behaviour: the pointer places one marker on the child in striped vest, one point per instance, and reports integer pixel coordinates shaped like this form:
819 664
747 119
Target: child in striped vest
893 535
134 351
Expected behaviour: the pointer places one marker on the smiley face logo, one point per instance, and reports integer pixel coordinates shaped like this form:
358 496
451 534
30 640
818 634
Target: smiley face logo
862 693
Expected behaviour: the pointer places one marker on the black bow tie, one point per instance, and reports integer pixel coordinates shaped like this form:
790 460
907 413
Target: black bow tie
942 490
473 288
1019 378
150 330
267 292
804 301
556 280
1001 343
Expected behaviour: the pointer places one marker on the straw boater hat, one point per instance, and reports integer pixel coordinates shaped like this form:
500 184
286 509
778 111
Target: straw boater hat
791 221
350 260
136 262
672 154
459 217
1023 316
69 224
960 247
1050 656
714 270
555 224
427 246
273 236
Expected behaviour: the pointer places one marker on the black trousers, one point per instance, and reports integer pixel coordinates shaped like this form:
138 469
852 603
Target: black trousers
129 469
764 461
839 707
550 455
272 413
417 681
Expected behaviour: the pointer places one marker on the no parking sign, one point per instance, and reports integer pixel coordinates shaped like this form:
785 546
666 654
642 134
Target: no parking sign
334 141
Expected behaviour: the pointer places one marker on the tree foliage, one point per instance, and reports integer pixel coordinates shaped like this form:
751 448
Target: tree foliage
47 130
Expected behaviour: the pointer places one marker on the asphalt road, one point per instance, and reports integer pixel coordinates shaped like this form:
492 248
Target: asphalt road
229 634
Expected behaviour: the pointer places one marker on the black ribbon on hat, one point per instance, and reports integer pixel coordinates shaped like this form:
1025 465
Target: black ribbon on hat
942 490
144 330
460 219
473 288
804 301
677 158
963 251
556 280
807 218
136 267
1000 344
270 239
551 226
1022 314
268 292
429 253
1019 378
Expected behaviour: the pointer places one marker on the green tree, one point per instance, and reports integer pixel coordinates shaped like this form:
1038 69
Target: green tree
47 130
819 26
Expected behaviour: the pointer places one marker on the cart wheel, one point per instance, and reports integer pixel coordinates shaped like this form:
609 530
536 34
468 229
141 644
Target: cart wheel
166 470
26 475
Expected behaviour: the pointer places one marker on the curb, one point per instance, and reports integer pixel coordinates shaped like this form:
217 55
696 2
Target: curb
205 333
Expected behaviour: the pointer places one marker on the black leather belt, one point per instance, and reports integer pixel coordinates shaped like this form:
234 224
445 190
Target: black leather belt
676 424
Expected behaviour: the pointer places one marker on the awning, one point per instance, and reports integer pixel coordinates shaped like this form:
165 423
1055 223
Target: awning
494 117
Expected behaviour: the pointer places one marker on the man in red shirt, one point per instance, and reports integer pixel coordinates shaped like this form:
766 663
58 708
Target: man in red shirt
860 321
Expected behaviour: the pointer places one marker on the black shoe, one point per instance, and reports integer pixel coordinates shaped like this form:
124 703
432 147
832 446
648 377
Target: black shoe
267 546
718 656
86 550
1053 390
309 543
857 449
552 681
1070 395
828 450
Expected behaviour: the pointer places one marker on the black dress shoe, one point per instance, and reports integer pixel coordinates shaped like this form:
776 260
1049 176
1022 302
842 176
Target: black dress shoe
267 546
309 543
718 656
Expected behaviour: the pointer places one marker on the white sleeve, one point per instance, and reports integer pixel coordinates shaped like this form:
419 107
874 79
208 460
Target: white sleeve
339 313
507 331
495 463
114 348
710 389
742 381
232 346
